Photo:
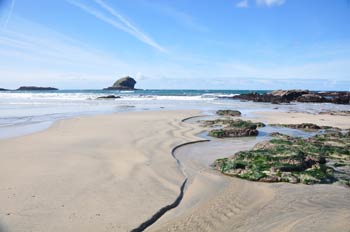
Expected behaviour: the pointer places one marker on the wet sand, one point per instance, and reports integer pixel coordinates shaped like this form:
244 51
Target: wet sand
214 202
113 172
100 173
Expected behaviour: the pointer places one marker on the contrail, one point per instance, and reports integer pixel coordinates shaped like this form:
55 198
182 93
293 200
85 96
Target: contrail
123 23
139 34
10 13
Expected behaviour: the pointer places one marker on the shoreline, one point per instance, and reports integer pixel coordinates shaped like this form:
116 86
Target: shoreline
49 160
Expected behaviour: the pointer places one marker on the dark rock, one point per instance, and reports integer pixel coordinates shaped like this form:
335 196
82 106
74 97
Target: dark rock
341 99
228 113
35 88
287 96
311 97
336 97
1 89
125 83
275 97
108 97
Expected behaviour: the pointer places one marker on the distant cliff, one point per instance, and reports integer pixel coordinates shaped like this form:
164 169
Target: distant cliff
125 83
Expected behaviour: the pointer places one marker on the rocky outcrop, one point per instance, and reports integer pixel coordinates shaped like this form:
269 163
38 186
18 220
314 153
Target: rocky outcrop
233 132
35 88
125 83
108 97
233 128
338 97
234 113
276 97
1 89
311 97
287 96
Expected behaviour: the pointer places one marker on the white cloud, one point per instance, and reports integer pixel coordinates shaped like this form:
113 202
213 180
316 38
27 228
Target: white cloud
270 3
119 22
242 4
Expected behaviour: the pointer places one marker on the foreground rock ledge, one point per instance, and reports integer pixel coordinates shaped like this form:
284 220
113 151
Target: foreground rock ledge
323 158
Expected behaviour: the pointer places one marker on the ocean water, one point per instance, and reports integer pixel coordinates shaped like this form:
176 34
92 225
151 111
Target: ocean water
24 112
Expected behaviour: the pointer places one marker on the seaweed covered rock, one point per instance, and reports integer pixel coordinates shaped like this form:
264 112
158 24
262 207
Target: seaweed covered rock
323 158
233 132
234 113
233 128
301 126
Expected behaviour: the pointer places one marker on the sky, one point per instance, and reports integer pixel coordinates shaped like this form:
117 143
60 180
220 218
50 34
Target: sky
176 44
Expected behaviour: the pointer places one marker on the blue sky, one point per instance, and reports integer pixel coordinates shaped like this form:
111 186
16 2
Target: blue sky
188 44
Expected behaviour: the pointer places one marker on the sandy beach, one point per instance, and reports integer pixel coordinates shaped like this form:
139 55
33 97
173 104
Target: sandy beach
251 206
174 116
101 173
113 172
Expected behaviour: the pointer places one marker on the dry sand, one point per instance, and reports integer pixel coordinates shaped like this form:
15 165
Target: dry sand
110 173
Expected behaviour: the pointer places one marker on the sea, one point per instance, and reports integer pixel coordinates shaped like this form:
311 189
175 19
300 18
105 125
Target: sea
25 112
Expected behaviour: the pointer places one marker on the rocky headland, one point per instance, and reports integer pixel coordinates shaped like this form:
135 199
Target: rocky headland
1 89
297 95
125 83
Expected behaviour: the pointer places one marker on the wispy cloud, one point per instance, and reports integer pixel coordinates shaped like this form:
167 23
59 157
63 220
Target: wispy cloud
270 3
47 56
242 4
118 21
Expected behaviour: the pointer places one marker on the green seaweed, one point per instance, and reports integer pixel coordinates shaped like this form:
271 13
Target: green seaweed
293 159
